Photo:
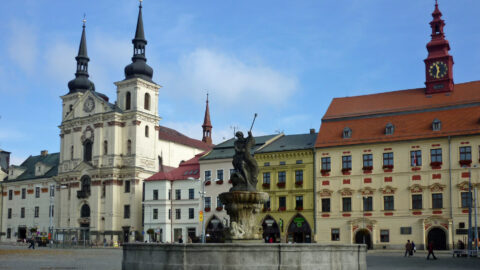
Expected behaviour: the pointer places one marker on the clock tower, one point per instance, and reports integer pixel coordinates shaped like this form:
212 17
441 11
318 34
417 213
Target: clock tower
439 63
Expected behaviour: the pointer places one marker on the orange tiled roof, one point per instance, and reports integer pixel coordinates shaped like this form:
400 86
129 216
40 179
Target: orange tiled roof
187 169
410 111
172 135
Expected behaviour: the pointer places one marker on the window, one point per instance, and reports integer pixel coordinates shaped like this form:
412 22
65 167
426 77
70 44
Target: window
10 195
191 194
219 203
178 213
346 163
104 189
436 125
87 150
51 211
9 213
389 129
437 200
220 175
208 202
129 147
37 192
266 205
126 211
282 176
367 203
367 161
52 191
335 234
127 186
298 202
436 155
191 213
105 147
169 214
282 163
465 153
347 204
326 205
299 161
326 164
71 152
282 202
24 193
405 230
178 194
347 133
155 194
146 103
266 178
155 213
416 158
388 160
388 203
384 236
298 176
208 175
9 233
128 100
266 164
465 199
146 131
22 212
417 201
169 194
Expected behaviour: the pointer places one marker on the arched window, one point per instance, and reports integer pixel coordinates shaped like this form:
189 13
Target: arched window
147 102
87 150
146 131
128 101
71 152
129 147
85 211
105 147
84 191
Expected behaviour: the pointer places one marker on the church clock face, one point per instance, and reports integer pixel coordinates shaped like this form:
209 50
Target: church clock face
438 69
89 104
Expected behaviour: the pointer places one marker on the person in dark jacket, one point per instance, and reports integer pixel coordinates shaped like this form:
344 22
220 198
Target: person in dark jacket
430 251
32 243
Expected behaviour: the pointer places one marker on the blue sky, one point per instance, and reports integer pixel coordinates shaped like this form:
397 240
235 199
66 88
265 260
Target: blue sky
284 60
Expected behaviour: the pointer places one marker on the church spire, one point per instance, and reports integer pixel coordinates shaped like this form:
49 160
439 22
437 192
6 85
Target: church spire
439 63
139 68
81 83
207 126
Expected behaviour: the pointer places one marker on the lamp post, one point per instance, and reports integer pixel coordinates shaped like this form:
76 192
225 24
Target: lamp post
469 244
363 214
202 196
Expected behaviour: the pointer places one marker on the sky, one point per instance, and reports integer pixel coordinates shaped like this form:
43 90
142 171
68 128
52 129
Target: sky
285 60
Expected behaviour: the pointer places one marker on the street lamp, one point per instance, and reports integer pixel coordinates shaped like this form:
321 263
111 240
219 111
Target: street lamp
469 244
202 196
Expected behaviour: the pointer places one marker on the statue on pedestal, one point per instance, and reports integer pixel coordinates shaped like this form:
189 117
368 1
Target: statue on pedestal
246 167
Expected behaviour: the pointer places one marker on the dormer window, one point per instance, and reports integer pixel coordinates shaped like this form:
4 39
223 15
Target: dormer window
389 128
436 125
347 133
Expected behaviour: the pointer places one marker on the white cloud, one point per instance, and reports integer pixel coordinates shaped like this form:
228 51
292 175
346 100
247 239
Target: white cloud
60 62
22 46
232 80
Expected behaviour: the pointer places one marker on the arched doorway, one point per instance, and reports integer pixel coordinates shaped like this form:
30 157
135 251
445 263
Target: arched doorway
363 236
85 223
438 237
299 230
270 230
214 231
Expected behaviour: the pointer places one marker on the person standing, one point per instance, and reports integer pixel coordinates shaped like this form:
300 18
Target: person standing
180 240
414 248
430 251
408 249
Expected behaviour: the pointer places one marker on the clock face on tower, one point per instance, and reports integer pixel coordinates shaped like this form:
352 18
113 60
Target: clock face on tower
438 69
89 104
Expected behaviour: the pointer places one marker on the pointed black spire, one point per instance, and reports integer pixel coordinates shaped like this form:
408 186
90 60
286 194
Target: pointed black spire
81 83
139 68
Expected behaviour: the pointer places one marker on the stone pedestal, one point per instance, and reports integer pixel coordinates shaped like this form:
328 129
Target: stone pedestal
242 207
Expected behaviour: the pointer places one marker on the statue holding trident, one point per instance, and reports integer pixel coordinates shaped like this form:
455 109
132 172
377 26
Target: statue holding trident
246 167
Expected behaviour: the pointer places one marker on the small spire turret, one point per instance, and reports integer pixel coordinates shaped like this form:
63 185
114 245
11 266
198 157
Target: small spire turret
81 83
207 126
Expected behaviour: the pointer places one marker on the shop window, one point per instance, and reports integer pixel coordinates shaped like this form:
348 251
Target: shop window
347 204
326 205
335 234
384 236
417 201
416 158
437 200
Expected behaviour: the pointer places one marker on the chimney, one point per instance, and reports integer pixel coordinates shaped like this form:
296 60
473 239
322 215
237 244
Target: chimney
312 131
44 153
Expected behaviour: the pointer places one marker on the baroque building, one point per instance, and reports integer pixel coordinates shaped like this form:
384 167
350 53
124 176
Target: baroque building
395 166
108 149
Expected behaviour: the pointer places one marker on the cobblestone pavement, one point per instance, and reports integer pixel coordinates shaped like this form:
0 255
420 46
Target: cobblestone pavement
19 257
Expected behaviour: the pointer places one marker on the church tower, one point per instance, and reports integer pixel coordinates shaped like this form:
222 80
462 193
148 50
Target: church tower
439 63
207 126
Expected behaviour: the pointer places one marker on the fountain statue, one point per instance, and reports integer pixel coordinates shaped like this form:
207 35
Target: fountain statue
243 202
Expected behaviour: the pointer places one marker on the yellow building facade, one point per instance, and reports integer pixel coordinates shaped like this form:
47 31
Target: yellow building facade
286 173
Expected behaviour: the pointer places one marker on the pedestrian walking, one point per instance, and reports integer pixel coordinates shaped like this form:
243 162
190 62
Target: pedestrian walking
408 249
32 243
430 251
414 248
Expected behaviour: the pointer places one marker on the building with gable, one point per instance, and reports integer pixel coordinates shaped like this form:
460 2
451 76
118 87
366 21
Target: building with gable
395 166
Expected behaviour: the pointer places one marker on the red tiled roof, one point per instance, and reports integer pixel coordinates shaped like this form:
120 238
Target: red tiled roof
410 111
404 100
172 135
187 169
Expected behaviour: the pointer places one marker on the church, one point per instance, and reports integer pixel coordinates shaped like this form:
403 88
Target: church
107 149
